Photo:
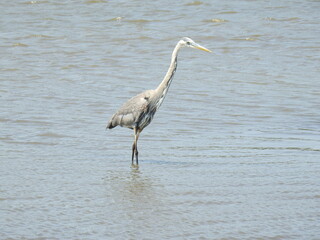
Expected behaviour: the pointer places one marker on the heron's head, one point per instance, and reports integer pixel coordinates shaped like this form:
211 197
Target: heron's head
188 42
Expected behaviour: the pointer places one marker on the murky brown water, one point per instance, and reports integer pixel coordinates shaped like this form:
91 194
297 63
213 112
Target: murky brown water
233 153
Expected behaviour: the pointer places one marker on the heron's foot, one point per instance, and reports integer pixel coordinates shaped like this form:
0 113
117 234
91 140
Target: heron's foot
135 166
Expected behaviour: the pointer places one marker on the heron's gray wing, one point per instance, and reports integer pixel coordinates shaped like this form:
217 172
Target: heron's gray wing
129 113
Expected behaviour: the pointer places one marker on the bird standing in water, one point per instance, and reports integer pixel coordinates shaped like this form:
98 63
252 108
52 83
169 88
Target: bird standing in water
138 112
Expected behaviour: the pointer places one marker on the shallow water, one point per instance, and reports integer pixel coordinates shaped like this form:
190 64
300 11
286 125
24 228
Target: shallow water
233 152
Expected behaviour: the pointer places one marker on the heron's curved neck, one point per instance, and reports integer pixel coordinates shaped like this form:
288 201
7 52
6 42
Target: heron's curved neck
165 84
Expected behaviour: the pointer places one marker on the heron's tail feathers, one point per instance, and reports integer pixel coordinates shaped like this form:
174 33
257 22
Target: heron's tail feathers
110 125
123 120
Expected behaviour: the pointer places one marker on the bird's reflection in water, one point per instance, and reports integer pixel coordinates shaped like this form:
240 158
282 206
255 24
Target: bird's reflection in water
138 184
139 202
131 190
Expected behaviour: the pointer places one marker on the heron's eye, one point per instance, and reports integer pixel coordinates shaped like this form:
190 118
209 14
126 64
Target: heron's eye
188 43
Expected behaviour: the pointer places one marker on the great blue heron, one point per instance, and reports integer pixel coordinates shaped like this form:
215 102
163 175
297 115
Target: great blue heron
138 111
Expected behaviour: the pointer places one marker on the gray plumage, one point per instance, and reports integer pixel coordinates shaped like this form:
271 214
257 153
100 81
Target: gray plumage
133 113
138 112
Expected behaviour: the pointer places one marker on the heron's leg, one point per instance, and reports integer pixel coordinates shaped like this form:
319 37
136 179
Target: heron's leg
133 150
135 144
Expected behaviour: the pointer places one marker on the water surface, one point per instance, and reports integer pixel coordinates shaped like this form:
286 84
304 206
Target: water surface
233 153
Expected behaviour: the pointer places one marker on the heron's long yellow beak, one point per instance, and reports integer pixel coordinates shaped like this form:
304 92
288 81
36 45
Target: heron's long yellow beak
202 48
